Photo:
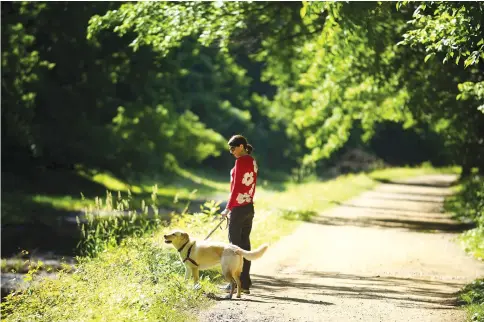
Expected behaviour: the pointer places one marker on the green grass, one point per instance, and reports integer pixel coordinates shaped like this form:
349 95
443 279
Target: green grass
54 193
206 183
141 278
406 172
185 185
301 201
62 202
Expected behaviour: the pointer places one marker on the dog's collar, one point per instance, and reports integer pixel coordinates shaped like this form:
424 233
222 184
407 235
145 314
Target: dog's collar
181 248
188 255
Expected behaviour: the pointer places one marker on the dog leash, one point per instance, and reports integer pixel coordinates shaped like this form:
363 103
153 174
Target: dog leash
218 225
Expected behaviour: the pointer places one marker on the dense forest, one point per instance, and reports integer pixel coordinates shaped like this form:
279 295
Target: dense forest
145 87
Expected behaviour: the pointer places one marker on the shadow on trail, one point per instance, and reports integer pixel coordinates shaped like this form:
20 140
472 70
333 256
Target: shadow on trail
244 298
409 224
402 290
293 299
390 209
407 199
432 183
433 194
398 207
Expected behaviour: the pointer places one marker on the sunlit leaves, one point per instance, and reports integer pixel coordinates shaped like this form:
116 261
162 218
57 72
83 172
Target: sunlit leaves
163 25
429 56
470 89
341 82
450 28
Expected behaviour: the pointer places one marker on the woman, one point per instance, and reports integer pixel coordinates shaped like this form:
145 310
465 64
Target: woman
240 207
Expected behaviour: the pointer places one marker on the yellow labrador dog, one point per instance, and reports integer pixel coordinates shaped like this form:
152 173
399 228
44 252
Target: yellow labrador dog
199 255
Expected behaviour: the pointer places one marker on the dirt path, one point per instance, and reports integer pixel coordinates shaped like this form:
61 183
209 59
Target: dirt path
387 255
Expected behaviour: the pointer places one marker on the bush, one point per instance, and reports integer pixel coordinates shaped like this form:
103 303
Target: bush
468 203
473 296
473 242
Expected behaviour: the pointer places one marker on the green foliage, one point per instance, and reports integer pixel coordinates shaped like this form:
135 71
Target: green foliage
304 215
470 90
340 85
473 296
473 242
172 80
164 25
228 31
109 221
468 205
210 208
106 223
382 81
139 281
357 73
21 69
128 112
23 266
450 31
127 273
452 28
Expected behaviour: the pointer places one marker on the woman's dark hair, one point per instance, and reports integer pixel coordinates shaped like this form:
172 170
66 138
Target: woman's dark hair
237 140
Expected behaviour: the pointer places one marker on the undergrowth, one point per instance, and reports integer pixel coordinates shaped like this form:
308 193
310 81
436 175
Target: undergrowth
467 205
473 296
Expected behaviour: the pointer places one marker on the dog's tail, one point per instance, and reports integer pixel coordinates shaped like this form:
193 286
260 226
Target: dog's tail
254 254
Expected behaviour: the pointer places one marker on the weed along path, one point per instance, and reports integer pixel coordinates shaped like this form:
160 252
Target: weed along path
388 255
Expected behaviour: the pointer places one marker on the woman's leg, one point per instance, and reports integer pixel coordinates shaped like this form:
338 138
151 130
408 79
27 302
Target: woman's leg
245 244
240 226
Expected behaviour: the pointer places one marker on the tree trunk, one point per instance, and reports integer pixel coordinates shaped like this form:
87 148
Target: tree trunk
466 171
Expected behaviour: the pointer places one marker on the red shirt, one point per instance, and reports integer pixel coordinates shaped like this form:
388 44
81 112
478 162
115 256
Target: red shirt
242 182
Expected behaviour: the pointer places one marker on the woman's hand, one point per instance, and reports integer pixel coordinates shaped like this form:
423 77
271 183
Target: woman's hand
225 213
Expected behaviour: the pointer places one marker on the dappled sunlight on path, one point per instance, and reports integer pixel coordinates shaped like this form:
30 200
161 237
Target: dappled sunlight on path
387 255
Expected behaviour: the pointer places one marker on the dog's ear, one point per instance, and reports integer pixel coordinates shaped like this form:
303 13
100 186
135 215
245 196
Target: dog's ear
185 235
